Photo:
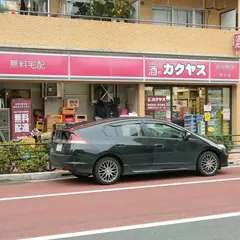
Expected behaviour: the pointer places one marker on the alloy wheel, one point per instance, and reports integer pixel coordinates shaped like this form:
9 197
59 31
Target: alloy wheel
108 171
209 164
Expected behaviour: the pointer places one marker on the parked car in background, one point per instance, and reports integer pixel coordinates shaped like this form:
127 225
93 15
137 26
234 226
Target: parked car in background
111 148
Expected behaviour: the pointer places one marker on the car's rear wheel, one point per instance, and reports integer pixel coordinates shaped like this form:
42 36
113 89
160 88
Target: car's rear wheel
208 164
107 171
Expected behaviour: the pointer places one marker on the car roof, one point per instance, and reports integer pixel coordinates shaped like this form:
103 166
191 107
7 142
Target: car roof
110 120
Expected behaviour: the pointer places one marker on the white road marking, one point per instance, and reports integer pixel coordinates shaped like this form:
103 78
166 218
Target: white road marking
134 227
119 189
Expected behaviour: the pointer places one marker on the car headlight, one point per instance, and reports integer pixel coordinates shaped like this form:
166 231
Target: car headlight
221 146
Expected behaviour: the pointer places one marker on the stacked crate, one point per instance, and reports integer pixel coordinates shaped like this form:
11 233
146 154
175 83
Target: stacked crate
67 114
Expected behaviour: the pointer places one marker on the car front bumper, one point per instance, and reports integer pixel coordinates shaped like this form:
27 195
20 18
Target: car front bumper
224 158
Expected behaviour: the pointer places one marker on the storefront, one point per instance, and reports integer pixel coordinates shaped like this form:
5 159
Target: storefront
203 104
38 90
195 93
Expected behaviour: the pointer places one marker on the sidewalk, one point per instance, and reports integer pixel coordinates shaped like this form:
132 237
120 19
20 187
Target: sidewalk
234 157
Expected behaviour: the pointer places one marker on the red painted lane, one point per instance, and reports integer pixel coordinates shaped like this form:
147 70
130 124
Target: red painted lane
37 217
73 185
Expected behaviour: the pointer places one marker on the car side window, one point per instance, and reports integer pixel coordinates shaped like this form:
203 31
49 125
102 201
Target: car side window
126 130
110 131
164 131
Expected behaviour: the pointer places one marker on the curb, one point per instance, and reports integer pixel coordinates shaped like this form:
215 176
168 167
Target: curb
55 175
237 163
32 176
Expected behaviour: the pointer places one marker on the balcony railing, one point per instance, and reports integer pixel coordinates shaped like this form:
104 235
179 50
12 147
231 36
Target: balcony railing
125 20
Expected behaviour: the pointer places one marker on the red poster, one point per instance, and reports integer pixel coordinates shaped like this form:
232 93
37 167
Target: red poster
155 103
21 118
20 64
225 70
109 67
236 42
176 69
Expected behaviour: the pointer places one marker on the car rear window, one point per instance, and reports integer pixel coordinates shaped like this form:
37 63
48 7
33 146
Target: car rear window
63 135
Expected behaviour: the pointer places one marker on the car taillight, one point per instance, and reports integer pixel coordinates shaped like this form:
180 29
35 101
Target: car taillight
75 139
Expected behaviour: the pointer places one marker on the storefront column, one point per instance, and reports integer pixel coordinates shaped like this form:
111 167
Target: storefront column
236 112
238 14
141 100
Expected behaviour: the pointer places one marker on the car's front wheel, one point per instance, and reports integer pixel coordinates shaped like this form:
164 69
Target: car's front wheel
107 171
208 164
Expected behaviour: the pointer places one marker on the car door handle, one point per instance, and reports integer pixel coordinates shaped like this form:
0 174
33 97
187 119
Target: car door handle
159 145
120 145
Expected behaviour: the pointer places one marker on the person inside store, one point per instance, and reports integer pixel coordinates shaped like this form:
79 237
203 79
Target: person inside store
178 122
101 111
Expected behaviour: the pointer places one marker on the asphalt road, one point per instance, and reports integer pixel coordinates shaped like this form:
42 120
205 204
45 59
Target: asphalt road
36 209
220 229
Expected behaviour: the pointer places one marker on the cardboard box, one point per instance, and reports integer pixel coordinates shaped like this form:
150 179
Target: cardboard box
52 119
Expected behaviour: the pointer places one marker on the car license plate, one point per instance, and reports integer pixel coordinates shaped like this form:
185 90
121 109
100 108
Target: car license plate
59 147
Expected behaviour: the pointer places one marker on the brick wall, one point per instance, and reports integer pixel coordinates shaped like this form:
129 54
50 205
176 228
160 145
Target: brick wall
111 36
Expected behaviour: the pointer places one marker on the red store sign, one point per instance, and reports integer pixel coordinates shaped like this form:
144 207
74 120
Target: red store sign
176 69
27 64
106 67
236 42
20 65
191 70
156 103
21 118
224 70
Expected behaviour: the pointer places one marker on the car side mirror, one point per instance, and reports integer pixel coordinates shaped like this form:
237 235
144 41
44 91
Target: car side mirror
187 135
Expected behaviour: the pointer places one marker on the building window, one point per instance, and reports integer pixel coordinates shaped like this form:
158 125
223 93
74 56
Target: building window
177 17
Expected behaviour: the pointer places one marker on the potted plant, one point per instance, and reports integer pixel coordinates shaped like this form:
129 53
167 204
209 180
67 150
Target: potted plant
122 9
101 8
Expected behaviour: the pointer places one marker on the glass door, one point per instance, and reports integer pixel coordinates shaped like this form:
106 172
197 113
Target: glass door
158 102
164 113
219 121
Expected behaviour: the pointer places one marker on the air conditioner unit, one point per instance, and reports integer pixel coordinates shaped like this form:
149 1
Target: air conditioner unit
52 90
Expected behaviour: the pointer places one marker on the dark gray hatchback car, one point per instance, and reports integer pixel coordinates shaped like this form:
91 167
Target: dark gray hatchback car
111 148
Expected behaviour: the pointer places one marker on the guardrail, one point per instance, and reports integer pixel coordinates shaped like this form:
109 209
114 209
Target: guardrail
126 20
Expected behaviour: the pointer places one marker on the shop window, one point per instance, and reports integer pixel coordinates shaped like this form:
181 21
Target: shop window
177 17
201 110
163 131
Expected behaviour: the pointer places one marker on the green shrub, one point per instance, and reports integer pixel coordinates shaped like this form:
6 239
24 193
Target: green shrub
24 158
